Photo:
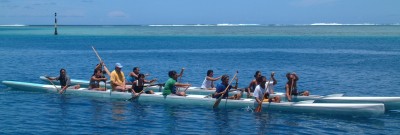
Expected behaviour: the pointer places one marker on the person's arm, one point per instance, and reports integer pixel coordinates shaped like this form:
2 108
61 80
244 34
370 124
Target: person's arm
133 86
273 78
218 91
289 98
133 74
256 95
49 78
151 81
98 79
296 78
236 83
182 84
112 79
213 79
270 89
250 85
181 74
52 78
68 83
99 65
123 81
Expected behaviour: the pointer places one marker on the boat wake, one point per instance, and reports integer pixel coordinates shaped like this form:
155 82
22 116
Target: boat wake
248 109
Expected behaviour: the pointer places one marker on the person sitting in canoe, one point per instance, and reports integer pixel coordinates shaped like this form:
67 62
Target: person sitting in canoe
221 88
291 87
253 84
64 79
134 75
95 80
172 84
138 85
100 67
118 79
208 82
264 89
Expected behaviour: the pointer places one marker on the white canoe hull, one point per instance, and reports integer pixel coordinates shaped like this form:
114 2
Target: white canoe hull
190 90
352 109
391 103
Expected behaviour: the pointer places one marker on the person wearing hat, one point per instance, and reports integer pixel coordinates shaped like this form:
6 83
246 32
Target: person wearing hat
118 78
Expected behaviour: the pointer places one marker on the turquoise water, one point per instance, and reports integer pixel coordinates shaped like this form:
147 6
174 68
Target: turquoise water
354 60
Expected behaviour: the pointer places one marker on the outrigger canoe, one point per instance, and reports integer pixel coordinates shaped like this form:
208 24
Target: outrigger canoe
191 90
350 109
391 103
156 88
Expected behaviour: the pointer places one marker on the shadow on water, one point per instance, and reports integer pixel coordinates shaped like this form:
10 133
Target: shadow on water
222 120
262 122
63 105
272 122
118 110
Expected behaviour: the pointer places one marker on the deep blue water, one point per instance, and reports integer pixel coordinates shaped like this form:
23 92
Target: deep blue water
354 60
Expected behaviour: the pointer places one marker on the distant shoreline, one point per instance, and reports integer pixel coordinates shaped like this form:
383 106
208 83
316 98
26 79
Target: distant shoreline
215 25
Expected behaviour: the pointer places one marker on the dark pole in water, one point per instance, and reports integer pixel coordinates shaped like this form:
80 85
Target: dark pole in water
55 24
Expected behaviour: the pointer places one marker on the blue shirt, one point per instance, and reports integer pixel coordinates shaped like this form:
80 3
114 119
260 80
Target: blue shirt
220 88
131 79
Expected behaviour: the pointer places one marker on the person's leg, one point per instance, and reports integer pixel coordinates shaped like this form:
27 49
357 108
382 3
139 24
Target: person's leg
248 93
99 89
180 93
277 99
238 96
306 93
120 88
149 92
77 86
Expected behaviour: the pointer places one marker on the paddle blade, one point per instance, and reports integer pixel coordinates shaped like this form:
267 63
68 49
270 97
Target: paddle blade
258 109
217 102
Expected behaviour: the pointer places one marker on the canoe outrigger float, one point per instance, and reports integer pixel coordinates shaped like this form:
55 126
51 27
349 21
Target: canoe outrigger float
351 109
391 103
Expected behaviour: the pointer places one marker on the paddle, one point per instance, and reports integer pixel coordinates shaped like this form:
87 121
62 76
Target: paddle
186 89
291 90
226 100
181 74
105 68
259 107
52 83
135 97
220 97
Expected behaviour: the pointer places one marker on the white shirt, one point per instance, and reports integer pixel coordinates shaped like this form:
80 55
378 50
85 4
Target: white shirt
206 83
259 92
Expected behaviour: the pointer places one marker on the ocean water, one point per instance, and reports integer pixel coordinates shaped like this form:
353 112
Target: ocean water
354 60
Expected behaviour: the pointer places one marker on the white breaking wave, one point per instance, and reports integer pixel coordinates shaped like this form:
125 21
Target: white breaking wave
182 25
179 25
339 24
13 25
228 24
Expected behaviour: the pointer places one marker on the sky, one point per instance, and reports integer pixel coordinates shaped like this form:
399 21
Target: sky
164 12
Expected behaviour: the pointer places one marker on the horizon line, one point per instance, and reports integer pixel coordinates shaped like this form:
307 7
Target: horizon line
204 25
